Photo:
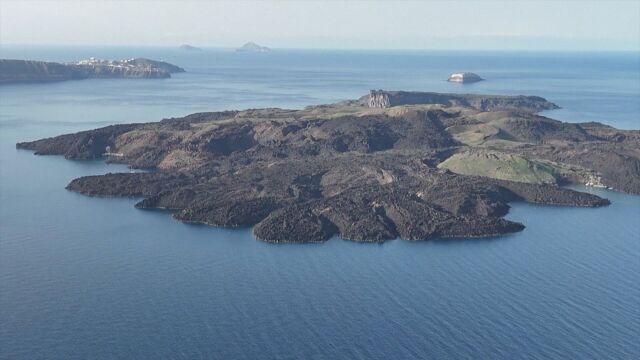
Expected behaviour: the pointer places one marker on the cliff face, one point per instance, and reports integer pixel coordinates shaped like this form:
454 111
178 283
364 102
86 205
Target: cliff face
20 71
16 71
379 99
112 72
416 171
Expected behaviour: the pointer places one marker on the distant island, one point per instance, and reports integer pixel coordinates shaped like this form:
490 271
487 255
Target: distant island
252 47
188 47
465 77
392 164
25 71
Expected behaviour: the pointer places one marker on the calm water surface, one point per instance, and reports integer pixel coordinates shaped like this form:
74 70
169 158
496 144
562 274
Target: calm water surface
85 278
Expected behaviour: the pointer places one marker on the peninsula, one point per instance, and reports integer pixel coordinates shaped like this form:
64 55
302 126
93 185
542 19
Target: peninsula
25 71
392 164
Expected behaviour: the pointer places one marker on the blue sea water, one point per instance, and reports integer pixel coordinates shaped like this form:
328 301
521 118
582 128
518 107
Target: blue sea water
87 278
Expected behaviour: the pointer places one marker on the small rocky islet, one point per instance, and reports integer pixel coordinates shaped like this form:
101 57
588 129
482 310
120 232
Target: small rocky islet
392 164
252 47
464 77
187 47
31 71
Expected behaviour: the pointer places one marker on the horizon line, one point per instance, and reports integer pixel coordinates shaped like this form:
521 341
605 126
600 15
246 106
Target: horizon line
213 47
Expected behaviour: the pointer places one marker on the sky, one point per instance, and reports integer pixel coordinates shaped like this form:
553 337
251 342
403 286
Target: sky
472 24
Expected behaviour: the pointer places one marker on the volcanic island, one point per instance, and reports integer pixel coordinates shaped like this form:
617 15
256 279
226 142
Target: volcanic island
391 164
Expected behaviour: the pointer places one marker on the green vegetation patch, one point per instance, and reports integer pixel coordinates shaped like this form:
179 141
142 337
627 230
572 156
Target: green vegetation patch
502 166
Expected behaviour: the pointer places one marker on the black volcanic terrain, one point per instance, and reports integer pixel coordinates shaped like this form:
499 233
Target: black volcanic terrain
407 165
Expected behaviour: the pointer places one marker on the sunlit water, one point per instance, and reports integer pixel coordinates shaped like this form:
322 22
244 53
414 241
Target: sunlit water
87 278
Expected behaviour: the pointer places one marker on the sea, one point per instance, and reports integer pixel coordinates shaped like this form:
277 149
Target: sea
96 278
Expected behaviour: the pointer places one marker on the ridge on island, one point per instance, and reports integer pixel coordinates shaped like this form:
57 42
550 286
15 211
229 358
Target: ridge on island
392 164
25 71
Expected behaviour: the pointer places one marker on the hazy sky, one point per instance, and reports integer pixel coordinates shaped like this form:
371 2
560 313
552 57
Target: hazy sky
573 25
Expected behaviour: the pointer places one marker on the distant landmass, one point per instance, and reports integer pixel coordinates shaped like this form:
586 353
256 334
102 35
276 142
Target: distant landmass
465 77
188 47
413 165
252 47
25 71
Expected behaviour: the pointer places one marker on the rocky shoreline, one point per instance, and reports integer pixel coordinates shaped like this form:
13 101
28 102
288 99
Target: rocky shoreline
389 165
